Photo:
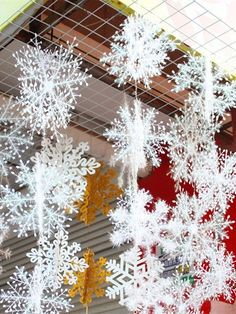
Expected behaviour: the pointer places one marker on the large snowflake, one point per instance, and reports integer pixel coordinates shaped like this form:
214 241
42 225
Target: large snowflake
189 135
215 178
13 138
138 52
30 293
135 221
207 81
52 184
49 86
192 230
58 258
137 138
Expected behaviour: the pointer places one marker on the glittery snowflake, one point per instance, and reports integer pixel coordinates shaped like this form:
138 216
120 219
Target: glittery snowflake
138 52
215 178
135 221
30 293
189 233
207 81
137 138
189 135
58 258
13 137
53 183
49 86
91 281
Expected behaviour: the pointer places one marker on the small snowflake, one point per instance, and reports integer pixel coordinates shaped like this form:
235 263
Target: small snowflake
189 135
138 52
215 178
58 258
13 137
137 138
30 293
135 221
49 86
207 82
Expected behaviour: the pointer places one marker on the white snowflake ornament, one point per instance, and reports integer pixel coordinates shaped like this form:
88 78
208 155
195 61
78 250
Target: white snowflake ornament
216 278
207 82
137 281
136 221
137 138
215 178
30 293
49 86
58 258
14 140
138 52
71 166
189 135
188 233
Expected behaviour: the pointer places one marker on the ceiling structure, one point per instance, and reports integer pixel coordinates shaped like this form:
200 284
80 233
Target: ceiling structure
93 23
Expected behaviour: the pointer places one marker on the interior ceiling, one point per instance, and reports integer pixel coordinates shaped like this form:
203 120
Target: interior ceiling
93 23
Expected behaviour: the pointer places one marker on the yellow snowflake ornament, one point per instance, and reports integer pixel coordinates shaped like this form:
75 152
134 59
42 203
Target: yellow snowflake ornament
91 280
99 193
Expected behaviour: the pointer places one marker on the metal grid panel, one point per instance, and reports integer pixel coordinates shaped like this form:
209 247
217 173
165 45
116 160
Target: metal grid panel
93 23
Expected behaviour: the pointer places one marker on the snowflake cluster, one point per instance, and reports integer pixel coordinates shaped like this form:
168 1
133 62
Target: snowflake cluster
138 52
54 182
49 86
194 228
48 183
58 258
137 138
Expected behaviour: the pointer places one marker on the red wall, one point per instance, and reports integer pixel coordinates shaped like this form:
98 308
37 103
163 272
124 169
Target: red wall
161 185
